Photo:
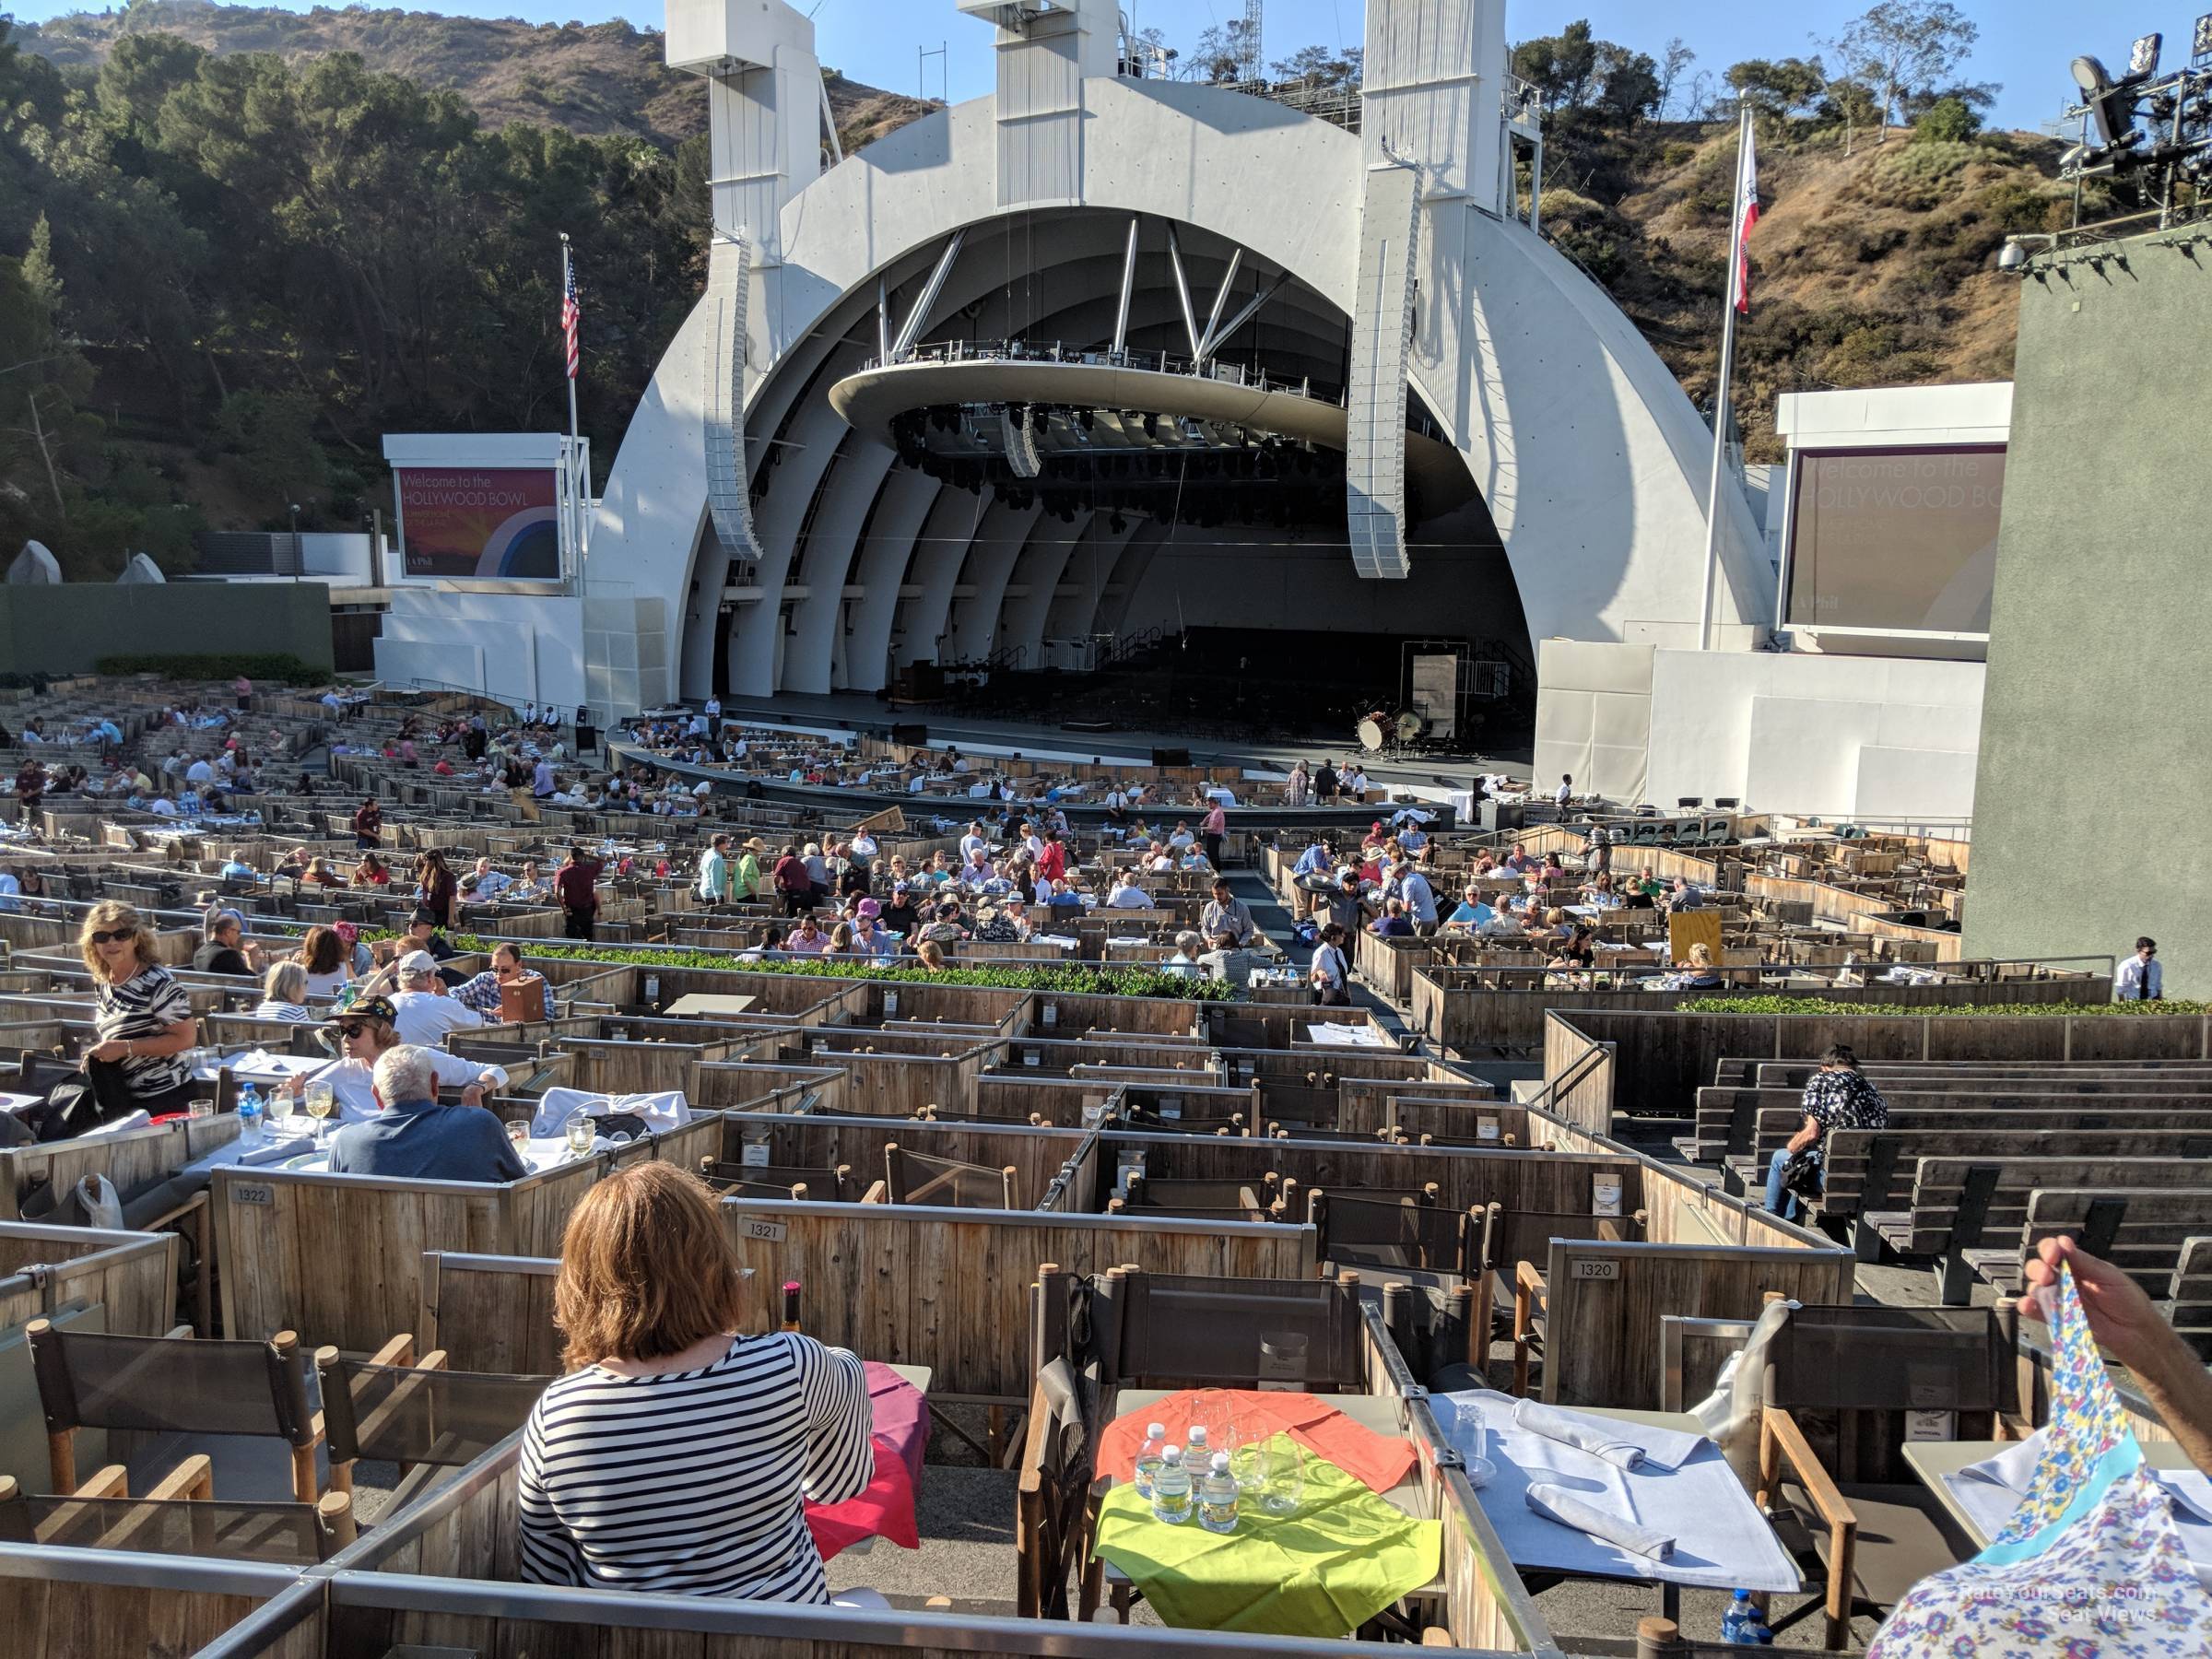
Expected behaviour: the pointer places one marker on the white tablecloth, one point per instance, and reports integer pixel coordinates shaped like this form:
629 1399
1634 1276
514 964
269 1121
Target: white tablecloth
1347 1036
1721 1541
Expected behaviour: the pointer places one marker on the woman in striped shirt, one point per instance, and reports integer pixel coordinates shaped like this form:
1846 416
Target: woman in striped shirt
142 1015
674 1459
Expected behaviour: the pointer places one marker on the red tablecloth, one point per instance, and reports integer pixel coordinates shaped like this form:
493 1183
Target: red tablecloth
1376 1460
887 1509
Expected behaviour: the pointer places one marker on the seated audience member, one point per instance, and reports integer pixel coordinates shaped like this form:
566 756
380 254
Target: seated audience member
1184 964
806 938
424 1007
1472 911
283 992
664 1376
414 1137
326 961
1392 924
1698 972
930 954
222 950
1838 1096
482 992
364 1031
1126 895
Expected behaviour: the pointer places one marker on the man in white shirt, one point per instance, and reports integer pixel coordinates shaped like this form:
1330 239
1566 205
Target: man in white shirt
714 710
2140 978
973 843
198 772
1127 895
541 781
422 1012
162 806
1565 792
699 726
365 1032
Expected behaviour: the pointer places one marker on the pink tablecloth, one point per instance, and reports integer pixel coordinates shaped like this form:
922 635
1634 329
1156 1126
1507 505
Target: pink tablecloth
887 1509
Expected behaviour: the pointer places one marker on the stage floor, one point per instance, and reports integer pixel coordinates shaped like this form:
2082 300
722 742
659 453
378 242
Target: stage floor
984 736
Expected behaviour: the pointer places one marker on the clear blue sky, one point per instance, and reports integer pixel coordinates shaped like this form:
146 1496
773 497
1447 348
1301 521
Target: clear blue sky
2025 43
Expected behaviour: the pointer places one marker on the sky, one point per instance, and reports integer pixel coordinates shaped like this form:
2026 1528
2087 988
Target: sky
2026 45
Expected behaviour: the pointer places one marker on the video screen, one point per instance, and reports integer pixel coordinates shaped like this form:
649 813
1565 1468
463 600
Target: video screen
1896 538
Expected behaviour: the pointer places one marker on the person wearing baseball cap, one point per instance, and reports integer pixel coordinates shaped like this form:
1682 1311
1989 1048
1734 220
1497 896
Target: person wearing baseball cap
424 1009
363 1031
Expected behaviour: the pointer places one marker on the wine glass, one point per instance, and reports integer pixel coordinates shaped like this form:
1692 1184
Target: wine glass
581 1133
280 1106
321 1102
518 1132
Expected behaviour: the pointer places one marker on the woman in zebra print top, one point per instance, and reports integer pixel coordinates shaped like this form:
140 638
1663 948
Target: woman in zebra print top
674 1458
142 1016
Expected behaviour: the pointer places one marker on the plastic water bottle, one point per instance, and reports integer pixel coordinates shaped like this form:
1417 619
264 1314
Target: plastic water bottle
249 1116
1739 1623
1171 1488
1217 1497
1148 1457
1195 1459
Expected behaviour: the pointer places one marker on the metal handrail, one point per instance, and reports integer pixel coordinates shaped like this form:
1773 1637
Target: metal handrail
1083 357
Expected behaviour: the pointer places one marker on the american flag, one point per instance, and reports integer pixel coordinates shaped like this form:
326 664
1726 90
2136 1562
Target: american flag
571 312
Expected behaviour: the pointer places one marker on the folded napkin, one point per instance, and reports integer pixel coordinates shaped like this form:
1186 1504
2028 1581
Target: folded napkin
121 1126
1623 1532
1624 1445
2011 1468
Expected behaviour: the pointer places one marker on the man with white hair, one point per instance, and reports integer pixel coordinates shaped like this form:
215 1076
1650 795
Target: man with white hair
423 1011
414 1137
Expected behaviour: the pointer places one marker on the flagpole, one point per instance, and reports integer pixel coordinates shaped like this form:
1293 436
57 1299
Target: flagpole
1720 400
575 537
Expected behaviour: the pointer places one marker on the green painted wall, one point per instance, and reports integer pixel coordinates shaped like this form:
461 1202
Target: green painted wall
2093 807
67 628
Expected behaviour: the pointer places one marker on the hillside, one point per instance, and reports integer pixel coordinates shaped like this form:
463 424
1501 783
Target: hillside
1876 268
601 78
238 244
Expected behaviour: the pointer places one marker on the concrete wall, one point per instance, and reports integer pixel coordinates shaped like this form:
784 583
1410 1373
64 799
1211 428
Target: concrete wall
2094 797
67 628
518 647
1878 739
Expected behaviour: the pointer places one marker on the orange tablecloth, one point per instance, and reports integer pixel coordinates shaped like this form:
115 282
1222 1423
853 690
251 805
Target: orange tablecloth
1377 1460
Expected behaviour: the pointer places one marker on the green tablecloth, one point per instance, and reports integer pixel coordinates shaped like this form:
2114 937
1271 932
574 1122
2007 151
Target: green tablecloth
1325 1569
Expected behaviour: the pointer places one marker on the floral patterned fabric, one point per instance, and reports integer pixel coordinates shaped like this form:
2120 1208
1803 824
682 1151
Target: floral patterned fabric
2089 1566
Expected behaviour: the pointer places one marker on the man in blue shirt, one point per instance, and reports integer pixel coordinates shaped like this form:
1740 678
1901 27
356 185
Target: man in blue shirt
414 1137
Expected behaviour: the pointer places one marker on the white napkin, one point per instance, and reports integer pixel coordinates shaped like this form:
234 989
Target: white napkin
1624 1532
2011 1468
665 1111
1624 1445
121 1126
277 1151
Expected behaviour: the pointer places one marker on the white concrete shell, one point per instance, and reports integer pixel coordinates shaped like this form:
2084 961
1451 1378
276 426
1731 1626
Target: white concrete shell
1591 460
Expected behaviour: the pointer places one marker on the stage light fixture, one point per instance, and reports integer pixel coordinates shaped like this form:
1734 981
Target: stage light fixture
2112 109
2143 57
2202 41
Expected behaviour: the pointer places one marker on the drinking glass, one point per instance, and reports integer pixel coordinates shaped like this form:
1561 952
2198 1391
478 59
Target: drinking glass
518 1131
321 1102
581 1135
1286 1487
201 1108
280 1106
1249 1463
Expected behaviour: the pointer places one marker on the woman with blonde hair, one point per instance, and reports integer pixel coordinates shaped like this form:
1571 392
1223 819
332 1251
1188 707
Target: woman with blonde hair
674 1457
142 1015
283 993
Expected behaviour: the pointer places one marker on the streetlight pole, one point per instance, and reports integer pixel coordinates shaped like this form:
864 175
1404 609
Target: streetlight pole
297 561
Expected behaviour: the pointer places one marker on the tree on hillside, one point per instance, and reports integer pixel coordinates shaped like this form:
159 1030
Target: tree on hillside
1781 86
1673 60
1898 46
1559 66
1572 70
1322 69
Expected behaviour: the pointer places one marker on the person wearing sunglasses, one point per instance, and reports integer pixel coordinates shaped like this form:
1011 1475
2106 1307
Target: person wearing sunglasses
361 1033
2140 978
143 1015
